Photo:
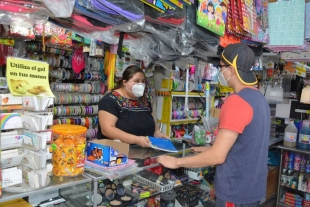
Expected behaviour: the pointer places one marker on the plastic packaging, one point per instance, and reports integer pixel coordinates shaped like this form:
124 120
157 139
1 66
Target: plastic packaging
172 18
86 8
304 137
60 8
195 32
68 150
132 10
21 19
290 135
198 136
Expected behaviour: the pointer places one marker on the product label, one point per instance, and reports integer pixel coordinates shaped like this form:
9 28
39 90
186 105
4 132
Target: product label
304 138
290 137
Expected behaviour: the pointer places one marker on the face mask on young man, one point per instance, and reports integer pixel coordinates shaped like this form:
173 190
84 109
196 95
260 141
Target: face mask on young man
222 79
137 89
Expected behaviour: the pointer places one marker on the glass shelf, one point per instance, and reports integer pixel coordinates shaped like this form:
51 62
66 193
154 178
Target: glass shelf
56 184
293 149
274 140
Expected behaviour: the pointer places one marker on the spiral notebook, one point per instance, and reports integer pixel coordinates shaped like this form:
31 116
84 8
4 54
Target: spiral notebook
162 144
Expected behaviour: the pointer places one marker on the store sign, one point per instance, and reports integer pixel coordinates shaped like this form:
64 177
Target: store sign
28 77
301 71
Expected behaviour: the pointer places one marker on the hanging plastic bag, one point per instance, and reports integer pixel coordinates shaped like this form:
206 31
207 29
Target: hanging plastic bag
198 136
86 8
171 18
132 10
60 8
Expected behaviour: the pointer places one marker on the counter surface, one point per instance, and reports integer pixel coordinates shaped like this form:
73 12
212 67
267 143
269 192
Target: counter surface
138 153
56 183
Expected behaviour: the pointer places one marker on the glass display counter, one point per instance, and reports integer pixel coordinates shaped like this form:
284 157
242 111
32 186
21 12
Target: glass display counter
55 184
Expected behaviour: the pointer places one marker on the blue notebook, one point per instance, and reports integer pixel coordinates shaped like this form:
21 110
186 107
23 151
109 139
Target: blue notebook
162 144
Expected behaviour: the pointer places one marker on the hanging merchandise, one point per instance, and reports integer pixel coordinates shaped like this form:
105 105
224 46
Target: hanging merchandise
173 18
307 24
61 8
160 6
125 61
78 61
228 39
60 36
211 14
293 26
27 77
109 65
132 10
261 33
82 6
247 15
192 32
21 32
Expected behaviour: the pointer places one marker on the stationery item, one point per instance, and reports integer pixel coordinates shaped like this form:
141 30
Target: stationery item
307 19
36 103
34 160
282 21
11 121
11 176
97 14
211 14
162 144
36 141
35 123
11 139
132 10
10 158
9 99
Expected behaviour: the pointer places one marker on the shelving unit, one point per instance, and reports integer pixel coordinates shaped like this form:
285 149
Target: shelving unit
282 188
165 109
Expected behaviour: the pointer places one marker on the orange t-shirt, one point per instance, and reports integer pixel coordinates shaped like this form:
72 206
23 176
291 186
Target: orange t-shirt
235 114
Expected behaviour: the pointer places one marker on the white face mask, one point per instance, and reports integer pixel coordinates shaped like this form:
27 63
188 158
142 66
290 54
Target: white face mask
137 89
222 79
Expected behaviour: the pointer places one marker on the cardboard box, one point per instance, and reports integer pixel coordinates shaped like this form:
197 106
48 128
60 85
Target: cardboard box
272 182
107 152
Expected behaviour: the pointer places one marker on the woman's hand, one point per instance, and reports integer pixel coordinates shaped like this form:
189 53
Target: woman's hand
143 141
159 134
199 149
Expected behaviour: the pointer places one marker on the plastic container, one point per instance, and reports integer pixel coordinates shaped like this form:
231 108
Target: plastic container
304 137
68 150
290 135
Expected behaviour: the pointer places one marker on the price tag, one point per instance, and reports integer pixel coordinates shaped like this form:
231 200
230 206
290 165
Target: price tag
145 195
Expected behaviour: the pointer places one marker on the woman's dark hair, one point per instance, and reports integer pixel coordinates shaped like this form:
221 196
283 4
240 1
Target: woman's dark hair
210 4
128 73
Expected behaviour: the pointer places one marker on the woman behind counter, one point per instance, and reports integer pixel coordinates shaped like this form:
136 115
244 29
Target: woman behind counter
125 113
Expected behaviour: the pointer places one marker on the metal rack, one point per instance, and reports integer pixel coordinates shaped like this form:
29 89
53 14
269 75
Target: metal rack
290 149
